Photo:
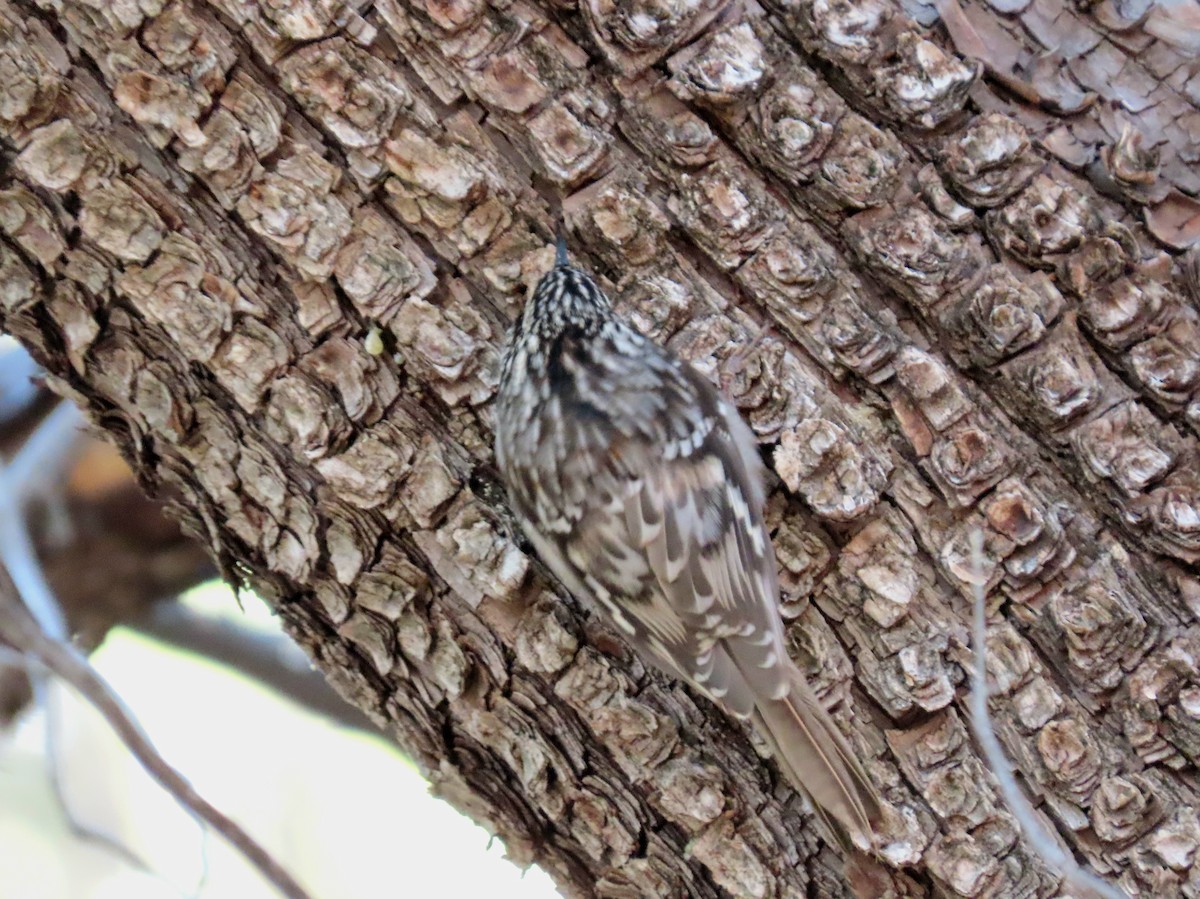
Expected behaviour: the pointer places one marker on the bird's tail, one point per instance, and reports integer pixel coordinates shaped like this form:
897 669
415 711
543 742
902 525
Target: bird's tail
819 761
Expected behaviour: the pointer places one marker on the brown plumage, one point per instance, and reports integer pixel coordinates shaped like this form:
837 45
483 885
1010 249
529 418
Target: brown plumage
640 487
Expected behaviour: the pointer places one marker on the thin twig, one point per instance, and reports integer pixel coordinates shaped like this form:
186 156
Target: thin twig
1041 842
41 461
38 470
37 626
37 676
45 699
66 662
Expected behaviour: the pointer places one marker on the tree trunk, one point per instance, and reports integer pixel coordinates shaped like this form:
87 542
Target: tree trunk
108 553
272 247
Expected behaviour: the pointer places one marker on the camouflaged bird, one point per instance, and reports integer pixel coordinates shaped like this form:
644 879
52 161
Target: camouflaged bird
640 487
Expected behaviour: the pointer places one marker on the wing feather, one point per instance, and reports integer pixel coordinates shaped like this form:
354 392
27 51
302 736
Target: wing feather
646 495
677 535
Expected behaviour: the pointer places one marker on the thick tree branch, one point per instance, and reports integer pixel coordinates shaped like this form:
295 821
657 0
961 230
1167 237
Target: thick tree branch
273 249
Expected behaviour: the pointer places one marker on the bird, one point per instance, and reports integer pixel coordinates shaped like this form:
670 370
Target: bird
640 487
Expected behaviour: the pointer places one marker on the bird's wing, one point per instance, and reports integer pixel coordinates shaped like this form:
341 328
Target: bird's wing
683 521
645 496
648 486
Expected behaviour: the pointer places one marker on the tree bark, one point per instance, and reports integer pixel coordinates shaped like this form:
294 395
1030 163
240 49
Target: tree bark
108 553
272 248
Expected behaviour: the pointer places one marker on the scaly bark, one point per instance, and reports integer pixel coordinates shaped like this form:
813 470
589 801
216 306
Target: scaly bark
272 247
108 553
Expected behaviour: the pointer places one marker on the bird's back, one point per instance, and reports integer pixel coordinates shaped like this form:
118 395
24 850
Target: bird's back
639 486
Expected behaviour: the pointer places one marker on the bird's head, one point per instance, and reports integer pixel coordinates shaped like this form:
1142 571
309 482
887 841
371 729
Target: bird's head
566 298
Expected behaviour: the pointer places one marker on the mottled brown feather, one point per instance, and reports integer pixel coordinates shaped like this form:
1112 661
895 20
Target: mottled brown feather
640 487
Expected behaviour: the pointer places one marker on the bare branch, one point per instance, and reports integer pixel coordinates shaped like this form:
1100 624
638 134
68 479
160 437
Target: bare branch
66 662
37 467
37 675
1040 841
54 767
37 626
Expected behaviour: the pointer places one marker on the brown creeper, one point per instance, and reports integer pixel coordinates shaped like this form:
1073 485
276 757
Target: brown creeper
640 487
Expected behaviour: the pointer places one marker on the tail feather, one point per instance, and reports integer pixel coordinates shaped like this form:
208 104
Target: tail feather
819 761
